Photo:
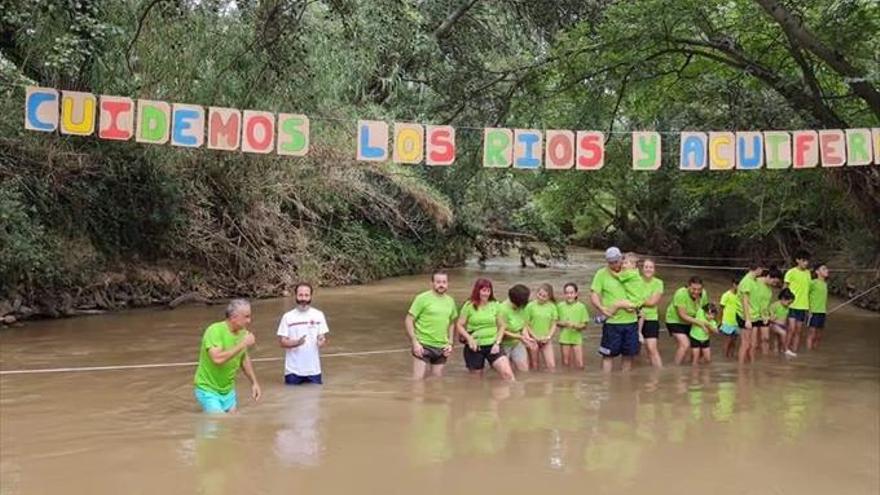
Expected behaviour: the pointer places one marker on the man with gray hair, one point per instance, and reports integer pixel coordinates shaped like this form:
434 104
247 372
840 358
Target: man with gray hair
620 330
223 352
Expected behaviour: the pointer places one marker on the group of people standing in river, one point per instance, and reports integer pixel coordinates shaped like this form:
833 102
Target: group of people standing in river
517 335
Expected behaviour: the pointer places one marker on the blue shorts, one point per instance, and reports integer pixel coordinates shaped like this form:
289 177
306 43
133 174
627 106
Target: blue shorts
731 330
798 314
817 320
619 339
294 379
214 402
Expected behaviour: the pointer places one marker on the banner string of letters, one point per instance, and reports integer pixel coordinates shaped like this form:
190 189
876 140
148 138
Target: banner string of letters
253 131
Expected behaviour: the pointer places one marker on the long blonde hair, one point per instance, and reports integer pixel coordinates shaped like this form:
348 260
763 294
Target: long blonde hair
549 290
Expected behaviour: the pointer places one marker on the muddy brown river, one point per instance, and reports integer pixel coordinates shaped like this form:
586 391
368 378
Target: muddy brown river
805 426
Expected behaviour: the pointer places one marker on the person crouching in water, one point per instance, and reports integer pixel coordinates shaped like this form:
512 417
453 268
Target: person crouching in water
779 318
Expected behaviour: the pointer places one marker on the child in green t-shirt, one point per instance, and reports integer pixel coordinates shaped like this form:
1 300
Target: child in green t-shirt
729 305
779 319
541 316
573 318
818 305
699 336
635 288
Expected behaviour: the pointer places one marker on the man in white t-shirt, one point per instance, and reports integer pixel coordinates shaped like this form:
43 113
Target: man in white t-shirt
302 332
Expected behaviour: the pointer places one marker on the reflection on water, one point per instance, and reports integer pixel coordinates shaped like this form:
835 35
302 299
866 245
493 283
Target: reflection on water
810 425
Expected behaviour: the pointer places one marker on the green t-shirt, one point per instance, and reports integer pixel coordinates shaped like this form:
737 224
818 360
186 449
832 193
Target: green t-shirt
779 312
610 291
213 377
655 286
818 296
682 297
697 332
576 313
514 319
433 314
747 287
762 296
481 322
541 317
634 285
799 283
730 303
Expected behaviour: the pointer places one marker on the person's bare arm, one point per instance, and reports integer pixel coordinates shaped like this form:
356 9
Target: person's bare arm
248 367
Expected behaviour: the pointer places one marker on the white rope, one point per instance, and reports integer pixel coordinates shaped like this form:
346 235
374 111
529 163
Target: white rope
852 299
175 365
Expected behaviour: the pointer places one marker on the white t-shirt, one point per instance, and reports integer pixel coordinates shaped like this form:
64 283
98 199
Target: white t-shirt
303 360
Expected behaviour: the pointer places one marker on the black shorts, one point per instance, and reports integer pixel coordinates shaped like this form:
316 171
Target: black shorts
475 360
798 314
294 379
817 320
675 328
432 355
696 344
650 329
619 339
755 323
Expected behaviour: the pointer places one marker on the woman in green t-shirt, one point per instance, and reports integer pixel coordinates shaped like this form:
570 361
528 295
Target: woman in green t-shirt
651 320
478 324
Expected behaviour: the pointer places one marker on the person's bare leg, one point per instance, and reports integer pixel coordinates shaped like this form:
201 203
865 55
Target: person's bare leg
745 345
534 360
565 352
578 356
502 366
683 345
654 353
811 338
730 347
707 355
607 364
626 363
765 341
419 368
695 356
437 370
548 356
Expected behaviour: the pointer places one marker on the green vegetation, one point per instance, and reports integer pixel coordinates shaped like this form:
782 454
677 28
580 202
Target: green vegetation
86 223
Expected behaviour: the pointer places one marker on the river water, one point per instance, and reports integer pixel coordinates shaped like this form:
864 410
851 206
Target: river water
804 426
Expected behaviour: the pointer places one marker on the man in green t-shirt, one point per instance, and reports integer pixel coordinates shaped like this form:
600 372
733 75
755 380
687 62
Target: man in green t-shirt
797 280
818 306
430 323
620 330
222 354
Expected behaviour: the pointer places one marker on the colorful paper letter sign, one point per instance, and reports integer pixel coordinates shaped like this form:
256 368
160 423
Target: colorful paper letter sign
875 137
41 109
805 149
590 153
527 147
409 142
693 151
832 147
78 113
187 125
749 150
224 128
497 147
293 134
858 147
559 150
154 122
722 150
646 150
117 118
257 131
440 145
372 141
777 149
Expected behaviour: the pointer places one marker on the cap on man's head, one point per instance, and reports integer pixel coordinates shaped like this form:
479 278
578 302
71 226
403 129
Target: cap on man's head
613 254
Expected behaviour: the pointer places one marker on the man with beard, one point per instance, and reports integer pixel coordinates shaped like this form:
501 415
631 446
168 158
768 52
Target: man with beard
429 324
302 332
